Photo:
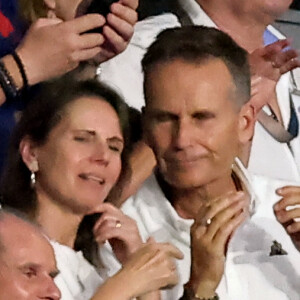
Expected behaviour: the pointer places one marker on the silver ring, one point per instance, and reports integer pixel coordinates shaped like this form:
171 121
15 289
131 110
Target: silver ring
208 222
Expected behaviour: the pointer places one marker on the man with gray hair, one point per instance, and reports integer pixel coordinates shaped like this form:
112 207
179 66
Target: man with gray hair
27 261
276 143
197 117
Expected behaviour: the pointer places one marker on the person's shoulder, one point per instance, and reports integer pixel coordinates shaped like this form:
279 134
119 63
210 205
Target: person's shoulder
266 184
265 192
145 31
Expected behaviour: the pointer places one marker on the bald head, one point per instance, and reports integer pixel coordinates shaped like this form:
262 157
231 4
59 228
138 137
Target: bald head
13 223
27 261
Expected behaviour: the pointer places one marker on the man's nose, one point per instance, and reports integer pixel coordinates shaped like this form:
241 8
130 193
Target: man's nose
183 134
51 291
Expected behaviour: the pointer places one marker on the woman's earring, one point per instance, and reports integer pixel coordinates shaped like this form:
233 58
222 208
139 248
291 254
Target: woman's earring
34 168
32 180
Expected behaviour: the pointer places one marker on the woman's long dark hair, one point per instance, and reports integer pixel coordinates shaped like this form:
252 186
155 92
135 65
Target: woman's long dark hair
42 114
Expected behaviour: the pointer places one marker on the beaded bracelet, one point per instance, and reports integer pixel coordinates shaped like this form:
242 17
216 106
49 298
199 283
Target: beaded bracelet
7 83
21 69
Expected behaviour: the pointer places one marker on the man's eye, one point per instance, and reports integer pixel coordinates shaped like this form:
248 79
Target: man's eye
30 273
163 118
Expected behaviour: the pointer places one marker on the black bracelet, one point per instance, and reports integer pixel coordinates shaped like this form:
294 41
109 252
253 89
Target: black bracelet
190 295
7 83
21 69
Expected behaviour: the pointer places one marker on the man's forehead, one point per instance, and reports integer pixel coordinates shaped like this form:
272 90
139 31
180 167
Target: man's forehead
179 85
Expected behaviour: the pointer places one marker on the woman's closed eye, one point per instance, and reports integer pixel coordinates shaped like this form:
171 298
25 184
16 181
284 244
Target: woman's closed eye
116 148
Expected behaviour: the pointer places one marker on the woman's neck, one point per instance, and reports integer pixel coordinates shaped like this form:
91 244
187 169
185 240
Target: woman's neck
59 223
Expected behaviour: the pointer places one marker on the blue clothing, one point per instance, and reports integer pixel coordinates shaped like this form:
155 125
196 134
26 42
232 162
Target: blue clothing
11 30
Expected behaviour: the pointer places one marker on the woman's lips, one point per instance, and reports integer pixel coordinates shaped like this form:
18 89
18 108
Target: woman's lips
92 177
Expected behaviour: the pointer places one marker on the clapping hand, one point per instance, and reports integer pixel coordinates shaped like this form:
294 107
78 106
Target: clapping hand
210 234
287 212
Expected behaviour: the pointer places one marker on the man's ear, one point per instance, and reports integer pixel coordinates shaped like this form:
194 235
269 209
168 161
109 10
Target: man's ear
51 6
246 123
29 154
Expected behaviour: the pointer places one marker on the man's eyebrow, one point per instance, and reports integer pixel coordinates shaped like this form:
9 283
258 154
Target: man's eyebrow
90 132
30 265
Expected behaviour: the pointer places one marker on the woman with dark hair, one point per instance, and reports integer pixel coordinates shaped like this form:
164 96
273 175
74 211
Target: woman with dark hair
66 155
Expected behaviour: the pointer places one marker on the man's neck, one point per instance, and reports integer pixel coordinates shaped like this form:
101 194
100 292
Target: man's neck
244 27
187 202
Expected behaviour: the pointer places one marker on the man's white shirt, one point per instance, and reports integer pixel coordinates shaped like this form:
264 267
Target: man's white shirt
250 272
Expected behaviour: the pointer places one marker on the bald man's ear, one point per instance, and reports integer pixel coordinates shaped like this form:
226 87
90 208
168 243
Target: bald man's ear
51 6
28 153
246 123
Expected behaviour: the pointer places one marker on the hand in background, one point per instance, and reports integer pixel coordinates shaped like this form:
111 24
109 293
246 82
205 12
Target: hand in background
119 28
287 212
52 47
267 64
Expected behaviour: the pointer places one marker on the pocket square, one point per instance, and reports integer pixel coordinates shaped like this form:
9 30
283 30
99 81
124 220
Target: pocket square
276 249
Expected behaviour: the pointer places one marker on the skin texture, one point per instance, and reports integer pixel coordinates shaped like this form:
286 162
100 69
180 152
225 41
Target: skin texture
27 262
119 22
196 129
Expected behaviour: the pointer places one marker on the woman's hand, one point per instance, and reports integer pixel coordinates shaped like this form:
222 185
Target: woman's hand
210 234
287 212
148 269
119 28
120 230
151 268
52 47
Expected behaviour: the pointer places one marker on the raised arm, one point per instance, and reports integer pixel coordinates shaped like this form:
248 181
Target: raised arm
51 48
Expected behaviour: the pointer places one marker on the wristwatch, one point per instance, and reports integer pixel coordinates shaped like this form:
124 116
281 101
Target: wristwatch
190 295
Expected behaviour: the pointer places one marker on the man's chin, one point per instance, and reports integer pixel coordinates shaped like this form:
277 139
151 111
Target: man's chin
186 182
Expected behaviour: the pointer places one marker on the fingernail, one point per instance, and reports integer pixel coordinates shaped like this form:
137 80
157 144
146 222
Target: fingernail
276 207
279 191
289 228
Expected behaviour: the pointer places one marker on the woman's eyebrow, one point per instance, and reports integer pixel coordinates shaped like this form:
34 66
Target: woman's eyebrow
116 139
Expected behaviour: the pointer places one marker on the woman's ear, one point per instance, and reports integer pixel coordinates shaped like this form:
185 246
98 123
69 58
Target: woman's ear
246 123
29 154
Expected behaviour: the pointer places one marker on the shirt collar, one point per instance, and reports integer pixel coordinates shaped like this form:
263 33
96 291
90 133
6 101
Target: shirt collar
246 181
196 13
